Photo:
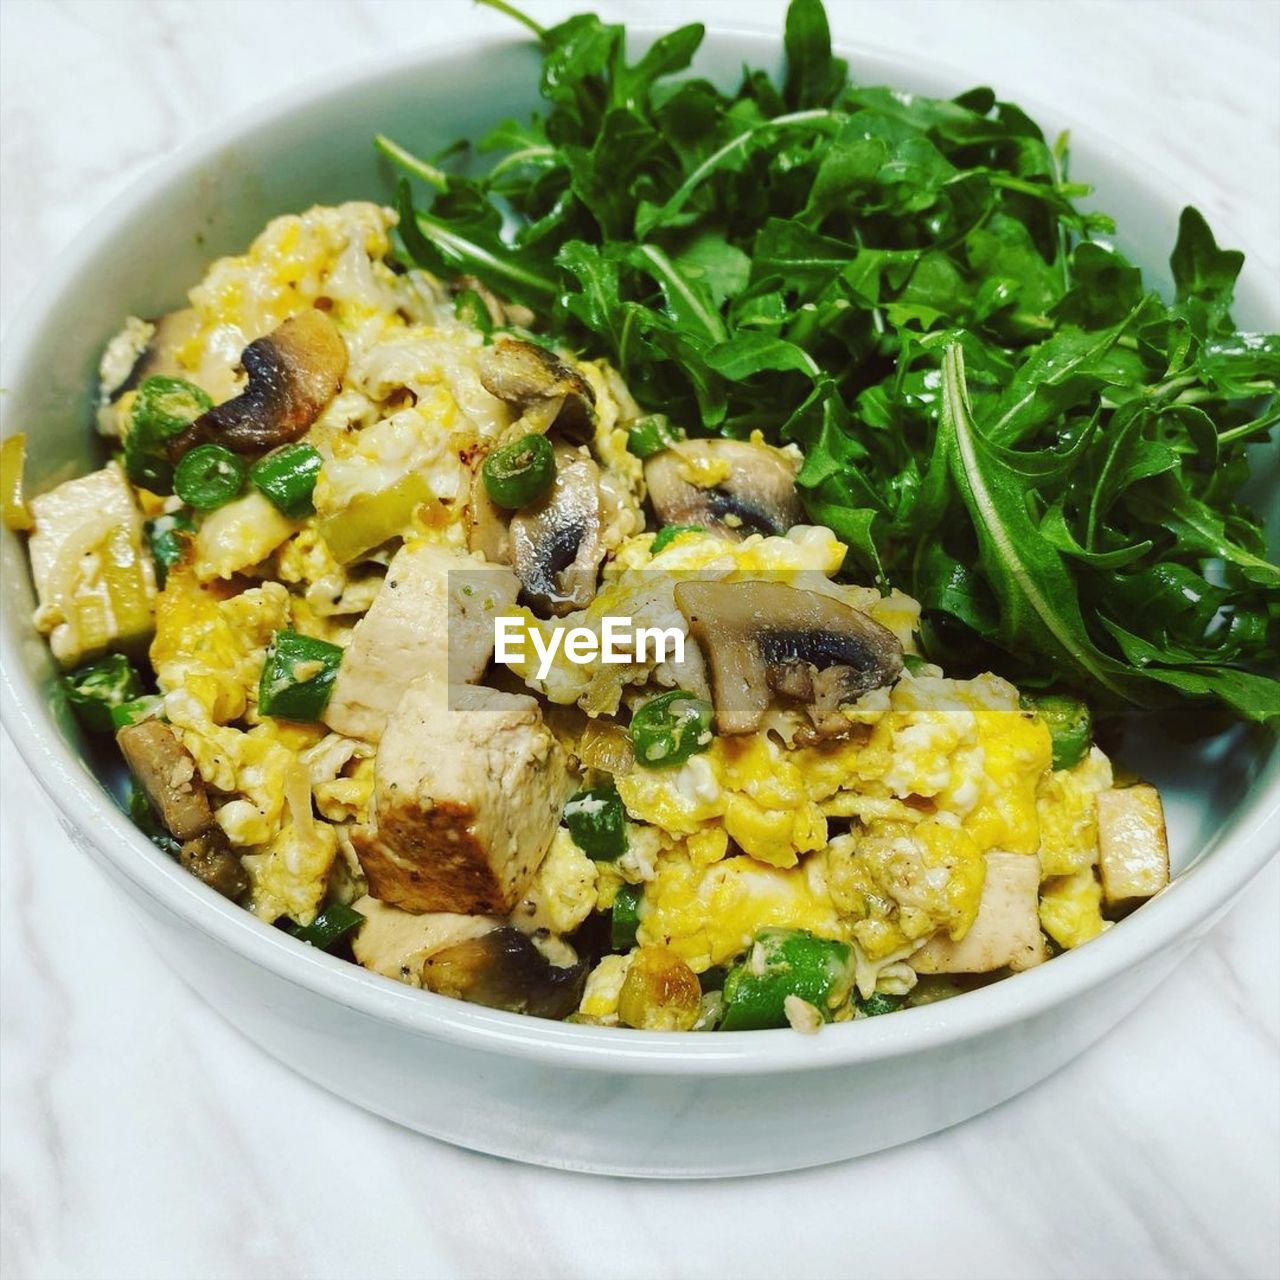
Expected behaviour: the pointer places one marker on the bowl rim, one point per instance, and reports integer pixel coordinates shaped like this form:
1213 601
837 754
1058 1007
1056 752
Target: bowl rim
92 820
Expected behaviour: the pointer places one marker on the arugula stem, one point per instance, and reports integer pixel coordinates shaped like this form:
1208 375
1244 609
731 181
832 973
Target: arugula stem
518 157
1058 160
411 163
464 250
503 6
1171 384
1264 423
666 271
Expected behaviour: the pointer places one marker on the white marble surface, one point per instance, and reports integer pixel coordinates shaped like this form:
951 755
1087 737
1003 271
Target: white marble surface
142 1137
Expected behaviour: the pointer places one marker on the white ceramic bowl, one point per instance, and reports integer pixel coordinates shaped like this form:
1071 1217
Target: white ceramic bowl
576 1097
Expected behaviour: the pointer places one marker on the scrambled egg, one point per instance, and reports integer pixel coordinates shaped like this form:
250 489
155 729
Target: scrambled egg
708 915
399 444
946 770
877 839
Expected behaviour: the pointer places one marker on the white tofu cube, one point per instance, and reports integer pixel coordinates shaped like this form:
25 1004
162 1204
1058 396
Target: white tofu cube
1133 849
1006 932
94 580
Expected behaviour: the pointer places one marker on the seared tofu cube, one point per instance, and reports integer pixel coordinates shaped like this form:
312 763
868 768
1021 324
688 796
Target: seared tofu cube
95 583
397 943
1133 849
433 617
1006 933
469 784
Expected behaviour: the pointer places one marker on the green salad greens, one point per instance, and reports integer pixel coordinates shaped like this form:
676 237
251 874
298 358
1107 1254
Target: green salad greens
996 414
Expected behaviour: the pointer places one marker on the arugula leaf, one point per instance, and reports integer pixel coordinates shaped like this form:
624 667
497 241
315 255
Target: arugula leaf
814 77
1038 601
996 413
1200 269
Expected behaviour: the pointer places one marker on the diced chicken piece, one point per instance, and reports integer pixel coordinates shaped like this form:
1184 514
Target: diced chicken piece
1133 850
95 583
239 535
397 943
433 616
469 786
166 771
1006 933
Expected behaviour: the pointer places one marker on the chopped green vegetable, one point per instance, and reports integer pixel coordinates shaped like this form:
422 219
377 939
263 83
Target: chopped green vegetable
469 307
1070 726
520 472
782 963
163 409
651 434
597 822
288 477
329 928
914 663
297 677
879 1002
369 519
801 257
13 504
143 816
168 537
146 707
669 533
625 917
670 728
101 687
209 476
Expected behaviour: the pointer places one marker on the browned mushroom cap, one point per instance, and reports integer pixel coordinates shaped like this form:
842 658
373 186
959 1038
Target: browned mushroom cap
293 374
758 495
166 771
210 859
555 544
763 638
530 378
504 970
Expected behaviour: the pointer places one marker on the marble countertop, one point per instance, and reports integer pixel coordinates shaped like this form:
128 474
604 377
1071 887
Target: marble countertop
1157 1154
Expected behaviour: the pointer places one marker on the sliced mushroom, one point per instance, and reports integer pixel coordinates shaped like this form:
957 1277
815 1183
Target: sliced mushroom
765 638
487 528
293 374
504 970
540 385
732 485
209 857
167 773
556 545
